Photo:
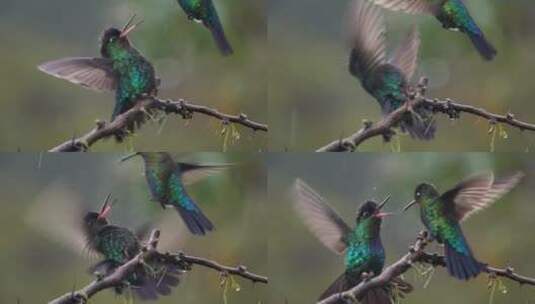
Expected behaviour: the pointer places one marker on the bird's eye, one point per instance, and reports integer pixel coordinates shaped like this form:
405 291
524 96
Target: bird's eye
418 194
365 214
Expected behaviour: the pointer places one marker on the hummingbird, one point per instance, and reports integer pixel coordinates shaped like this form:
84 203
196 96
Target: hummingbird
386 79
361 245
452 14
117 245
167 180
442 215
121 68
203 11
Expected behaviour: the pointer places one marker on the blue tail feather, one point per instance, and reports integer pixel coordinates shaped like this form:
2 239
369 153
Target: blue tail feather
195 220
487 51
461 266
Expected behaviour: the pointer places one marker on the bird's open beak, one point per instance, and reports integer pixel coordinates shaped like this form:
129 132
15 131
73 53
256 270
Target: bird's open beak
380 214
129 26
409 205
129 156
105 209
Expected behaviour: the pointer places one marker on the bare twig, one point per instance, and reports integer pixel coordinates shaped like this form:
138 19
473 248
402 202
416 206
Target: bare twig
117 277
389 273
452 109
416 254
181 107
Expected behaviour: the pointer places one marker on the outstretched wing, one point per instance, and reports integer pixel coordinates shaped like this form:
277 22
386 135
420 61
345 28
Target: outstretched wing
93 73
192 173
410 6
478 192
320 218
406 56
57 214
367 38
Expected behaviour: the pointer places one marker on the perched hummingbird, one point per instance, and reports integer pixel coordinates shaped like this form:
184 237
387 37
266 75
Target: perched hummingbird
443 213
387 80
364 252
204 11
167 180
122 68
118 245
452 14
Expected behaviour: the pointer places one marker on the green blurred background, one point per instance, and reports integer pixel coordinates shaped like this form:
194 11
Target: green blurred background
301 268
39 265
314 100
39 111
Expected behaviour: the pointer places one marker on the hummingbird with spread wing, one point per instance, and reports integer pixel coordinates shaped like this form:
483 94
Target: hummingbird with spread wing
118 245
452 14
386 78
361 245
121 69
167 180
442 215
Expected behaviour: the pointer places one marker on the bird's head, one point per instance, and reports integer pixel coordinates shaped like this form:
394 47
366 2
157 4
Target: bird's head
370 210
114 38
93 221
423 191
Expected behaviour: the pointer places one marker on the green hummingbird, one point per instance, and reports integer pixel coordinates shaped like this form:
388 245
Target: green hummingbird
361 245
122 68
204 11
167 180
442 214
386 79
117 245
452 14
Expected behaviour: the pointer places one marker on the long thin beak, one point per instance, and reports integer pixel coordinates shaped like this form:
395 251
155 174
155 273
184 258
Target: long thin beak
129 156
409 205
382 204
129 28
106 208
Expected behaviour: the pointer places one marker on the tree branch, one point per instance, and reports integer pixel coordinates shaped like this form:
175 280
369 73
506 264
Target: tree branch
119 125
385 126
117 277
416 254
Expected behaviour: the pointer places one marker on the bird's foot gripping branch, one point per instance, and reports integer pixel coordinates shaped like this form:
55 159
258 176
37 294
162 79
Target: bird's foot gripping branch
116 279
416 254
385 127
122 124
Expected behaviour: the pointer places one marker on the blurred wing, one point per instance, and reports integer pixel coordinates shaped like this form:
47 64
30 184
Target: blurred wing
406 56
192 173
479 192
410 6
367 36
94 73
320 218
57 214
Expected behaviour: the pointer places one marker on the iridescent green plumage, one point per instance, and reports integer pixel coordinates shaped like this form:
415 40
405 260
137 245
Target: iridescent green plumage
442 214
121 69
118 245
361 246
204 11
167 180
386 79
452 14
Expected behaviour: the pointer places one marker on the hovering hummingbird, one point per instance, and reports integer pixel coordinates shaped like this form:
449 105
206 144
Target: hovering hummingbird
122 68
204 11
452 14
387 80
118 245
362 247
167 180
443 213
